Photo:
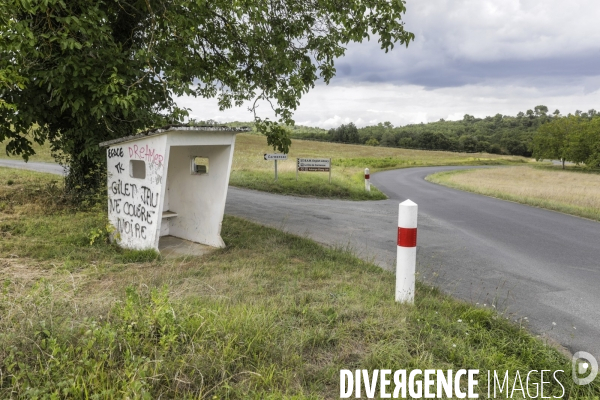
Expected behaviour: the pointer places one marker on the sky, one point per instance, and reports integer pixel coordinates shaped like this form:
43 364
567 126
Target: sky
477 57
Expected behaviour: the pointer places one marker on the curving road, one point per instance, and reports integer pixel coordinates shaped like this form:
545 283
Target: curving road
536 263
537 266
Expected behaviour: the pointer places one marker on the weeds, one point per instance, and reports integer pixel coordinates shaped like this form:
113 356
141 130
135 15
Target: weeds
270 316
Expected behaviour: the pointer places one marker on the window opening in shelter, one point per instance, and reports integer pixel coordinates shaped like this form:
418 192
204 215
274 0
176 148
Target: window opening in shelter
137 169
199 165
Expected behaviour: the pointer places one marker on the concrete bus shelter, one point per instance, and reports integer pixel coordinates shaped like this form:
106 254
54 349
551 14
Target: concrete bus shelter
169 182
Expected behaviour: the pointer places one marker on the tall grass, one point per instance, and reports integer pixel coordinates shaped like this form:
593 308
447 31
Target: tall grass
271 316
573 191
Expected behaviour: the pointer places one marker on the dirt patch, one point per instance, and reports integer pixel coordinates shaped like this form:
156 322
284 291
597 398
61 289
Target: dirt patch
22 270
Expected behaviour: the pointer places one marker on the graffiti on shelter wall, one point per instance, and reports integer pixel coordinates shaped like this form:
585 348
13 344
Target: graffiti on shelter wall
145 153
133 203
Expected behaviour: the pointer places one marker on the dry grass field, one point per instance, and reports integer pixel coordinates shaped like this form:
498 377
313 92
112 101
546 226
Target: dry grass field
251 147
572 192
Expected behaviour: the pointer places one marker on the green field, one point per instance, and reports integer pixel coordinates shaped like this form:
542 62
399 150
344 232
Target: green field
271 316
42 153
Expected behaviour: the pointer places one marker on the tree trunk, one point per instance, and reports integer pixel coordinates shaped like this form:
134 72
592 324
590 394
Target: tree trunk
86 175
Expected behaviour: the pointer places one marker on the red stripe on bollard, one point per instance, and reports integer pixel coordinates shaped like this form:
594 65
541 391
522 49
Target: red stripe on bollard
407 237
367 176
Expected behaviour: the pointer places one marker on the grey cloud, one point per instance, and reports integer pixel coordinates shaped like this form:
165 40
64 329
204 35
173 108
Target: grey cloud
462 42
478 57
438 72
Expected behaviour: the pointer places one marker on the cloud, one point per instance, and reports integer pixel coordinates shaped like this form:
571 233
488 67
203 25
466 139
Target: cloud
468 42
486 30
329 106
477 57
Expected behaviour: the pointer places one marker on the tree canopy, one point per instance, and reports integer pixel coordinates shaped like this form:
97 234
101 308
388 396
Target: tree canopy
494 134
574 138
79 72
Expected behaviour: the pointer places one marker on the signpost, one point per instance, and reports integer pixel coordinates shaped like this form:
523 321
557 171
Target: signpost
275 157
313 165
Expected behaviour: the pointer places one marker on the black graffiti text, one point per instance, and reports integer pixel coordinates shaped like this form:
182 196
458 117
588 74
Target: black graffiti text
114 206
130 228
119 168
114 152
148 197
138 211
124 189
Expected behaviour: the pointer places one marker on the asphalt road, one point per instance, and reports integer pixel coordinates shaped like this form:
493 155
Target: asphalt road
537 266
51 168
535 263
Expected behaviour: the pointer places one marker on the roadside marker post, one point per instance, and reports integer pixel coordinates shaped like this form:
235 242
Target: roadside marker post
406 257
275 157
367 180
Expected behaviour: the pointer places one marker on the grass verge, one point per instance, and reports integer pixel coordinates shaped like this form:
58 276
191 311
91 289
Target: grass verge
570 191
271 316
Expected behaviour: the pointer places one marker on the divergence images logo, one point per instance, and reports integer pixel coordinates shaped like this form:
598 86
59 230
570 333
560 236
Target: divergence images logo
584 364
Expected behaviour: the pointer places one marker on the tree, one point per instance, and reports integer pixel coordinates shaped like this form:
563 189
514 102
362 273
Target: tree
495 149
426 140
344 134
516 147
469 144
468 118
540 110
592 139
483 146
584 143
79 72
406 143
388 140
553 139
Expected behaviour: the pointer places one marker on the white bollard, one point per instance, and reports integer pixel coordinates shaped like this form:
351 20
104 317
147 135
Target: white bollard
367 180
406 259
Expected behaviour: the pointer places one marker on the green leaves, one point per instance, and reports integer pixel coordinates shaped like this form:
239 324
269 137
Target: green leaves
573 138
88 71
277 135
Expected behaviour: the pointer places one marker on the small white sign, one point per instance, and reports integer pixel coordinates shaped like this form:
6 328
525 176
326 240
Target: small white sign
277 156
314 164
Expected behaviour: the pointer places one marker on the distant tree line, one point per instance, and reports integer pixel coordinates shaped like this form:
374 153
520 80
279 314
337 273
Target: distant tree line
500 134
